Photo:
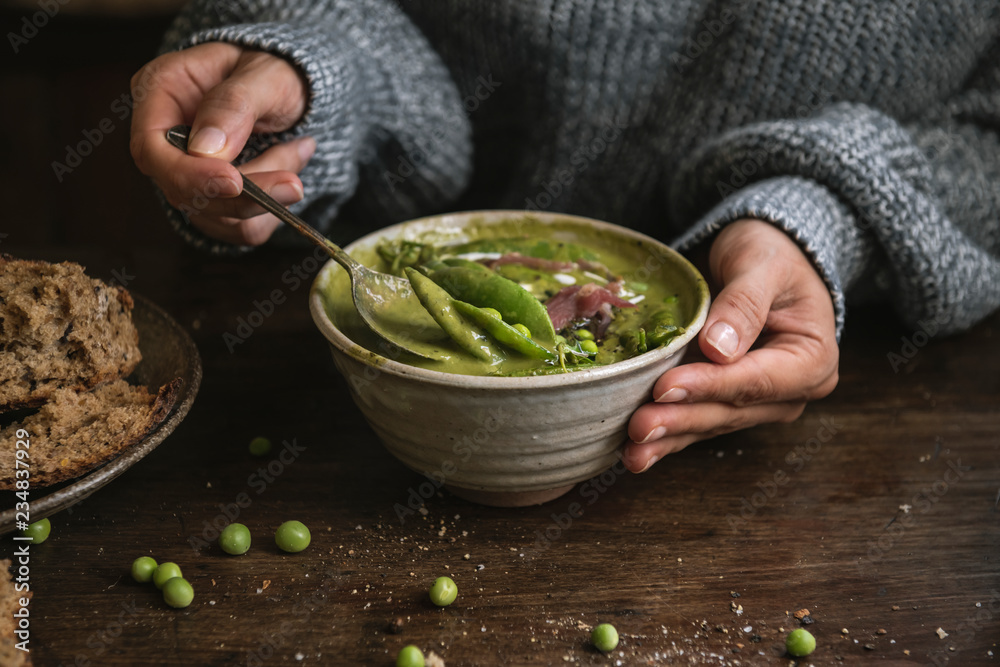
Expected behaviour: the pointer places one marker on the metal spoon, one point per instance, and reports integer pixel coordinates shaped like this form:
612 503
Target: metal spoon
385 302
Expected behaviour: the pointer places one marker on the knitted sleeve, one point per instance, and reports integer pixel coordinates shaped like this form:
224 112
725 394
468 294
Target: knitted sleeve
910 211
382 106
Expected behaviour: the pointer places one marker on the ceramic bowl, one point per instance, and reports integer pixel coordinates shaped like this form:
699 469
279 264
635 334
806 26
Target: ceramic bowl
504 441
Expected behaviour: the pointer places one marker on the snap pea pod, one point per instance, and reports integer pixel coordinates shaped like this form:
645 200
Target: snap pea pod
664 324
634 341
663 334
487 289
439 304
431 265
463 262
659 329
504 333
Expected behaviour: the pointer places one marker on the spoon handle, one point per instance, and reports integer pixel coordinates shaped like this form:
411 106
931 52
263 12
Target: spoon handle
178 136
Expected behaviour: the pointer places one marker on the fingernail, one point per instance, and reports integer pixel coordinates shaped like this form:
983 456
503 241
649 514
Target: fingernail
672 395
306 148
208 141
655 434
649 463
224 187
723 338
286 193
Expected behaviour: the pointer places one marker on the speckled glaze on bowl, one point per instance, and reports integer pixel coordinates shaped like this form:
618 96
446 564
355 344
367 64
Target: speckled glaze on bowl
505 441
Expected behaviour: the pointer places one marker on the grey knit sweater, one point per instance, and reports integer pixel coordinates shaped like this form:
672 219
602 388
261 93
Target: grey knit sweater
866 129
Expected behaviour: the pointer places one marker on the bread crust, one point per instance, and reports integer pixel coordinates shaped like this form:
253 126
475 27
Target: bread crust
60 329
67 341
77 432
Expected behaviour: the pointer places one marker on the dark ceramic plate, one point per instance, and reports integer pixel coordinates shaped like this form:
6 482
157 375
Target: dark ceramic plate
167 353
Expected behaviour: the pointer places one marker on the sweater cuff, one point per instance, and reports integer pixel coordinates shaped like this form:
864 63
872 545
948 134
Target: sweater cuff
335 77
809 213
335 118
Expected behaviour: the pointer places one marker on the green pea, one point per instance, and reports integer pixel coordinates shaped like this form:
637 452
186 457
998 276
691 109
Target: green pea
604 637
143 568
165 572
292 536
588 346
800 643
177 592
439 303
525 331
260 446
584 334
38 531
235 539
410 656
444 591
493 312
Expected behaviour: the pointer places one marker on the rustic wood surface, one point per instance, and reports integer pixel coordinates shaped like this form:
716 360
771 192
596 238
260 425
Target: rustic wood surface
877 510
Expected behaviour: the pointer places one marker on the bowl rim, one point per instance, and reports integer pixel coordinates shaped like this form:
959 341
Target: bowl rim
384 364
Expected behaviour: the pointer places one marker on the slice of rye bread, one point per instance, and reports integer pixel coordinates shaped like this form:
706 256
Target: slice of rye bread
77 431
10 655
60 329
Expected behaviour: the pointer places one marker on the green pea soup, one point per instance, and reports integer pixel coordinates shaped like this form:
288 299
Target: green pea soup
649 277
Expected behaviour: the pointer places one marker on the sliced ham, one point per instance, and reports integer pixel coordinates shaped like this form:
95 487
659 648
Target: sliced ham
584 302
530 262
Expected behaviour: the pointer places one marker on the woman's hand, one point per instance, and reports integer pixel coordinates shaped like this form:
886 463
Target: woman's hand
224 92
770 343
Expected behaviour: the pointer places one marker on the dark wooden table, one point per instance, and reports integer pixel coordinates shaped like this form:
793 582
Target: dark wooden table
877 510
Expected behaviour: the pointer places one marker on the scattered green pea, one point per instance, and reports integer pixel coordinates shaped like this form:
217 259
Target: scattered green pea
38 531
584 334
492 311
410 656
177 592
235 539
165 572
525 331
800 643
292 536
444 591
143 568
260 446
588 346
604 637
